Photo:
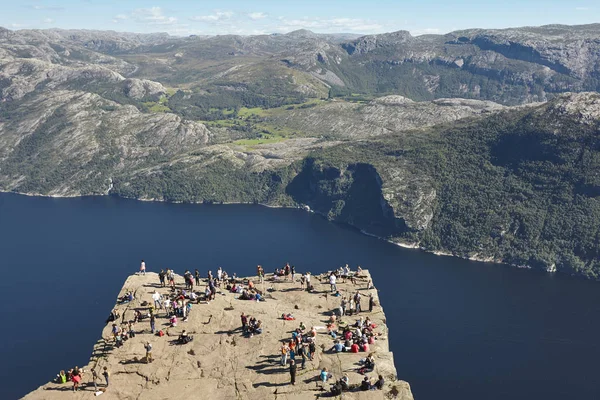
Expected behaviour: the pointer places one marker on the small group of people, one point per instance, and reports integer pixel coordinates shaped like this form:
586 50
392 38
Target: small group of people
288 272
123 332
302 345
250 325
350 305
355 338
367 385
76 374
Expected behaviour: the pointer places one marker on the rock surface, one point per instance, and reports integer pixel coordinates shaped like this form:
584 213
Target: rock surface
220 363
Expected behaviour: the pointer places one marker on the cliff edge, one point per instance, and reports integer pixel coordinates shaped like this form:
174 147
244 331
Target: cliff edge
223 363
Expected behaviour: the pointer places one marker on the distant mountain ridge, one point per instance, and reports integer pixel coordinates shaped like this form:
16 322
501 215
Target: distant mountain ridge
510 66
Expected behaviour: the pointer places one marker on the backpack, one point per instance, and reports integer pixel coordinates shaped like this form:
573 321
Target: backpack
160 333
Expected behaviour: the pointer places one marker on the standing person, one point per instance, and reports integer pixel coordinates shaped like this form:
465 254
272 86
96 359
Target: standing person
293 273
293 372
171 279
371 302
148 348
302 354
106 374
312 348
152 323
197 276
284 354
161 277
260 272
302 281
220 274
357 302
244 319
332 279
76 378
156 297
143 268
95 379
308 281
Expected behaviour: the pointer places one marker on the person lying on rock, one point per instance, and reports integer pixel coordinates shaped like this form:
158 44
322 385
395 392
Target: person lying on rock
287 317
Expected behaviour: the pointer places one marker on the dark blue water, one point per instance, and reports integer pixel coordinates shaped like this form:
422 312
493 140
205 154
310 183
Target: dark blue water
459 330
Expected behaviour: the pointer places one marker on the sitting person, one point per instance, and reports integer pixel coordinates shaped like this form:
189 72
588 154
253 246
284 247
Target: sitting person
257 327
354 348
337 347
173 320
365 384
113 316
331 329
345 382
369 364
336 389
61 377
379 384
287 317
118 340
184 338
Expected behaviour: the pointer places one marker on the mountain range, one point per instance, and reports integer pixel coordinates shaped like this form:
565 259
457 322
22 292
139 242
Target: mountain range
478 143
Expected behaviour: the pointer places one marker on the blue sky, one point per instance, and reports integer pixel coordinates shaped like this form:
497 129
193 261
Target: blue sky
208 17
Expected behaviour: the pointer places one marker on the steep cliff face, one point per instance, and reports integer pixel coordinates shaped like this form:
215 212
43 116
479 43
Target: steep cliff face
351 194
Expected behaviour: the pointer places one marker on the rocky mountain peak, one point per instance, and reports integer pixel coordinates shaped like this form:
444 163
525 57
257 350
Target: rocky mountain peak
366 44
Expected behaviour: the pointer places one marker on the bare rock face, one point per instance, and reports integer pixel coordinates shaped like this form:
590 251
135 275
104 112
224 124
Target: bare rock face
585 107
222 363
140 88
369 43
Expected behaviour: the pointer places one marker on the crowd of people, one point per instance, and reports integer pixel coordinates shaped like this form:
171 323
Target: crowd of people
295 351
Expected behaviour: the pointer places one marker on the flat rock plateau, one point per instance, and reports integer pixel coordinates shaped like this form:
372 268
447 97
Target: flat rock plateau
220 362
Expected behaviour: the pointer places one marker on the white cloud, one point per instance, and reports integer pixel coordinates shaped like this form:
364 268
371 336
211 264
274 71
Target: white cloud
216 17
119 18
47 8
47 20
257 15
153 16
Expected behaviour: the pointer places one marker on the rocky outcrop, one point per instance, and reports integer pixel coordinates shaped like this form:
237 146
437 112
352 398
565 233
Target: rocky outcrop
369 43
222 363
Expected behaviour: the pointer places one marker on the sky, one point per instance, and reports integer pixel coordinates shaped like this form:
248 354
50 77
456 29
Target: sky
250 17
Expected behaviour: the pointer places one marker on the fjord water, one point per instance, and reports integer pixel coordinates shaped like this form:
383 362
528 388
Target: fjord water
459 329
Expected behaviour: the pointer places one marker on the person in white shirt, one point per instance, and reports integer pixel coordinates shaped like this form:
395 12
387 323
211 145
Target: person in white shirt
220 274
332 279
143 268
156 297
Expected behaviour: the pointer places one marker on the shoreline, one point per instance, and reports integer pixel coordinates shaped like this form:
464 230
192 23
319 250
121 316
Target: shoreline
413 246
